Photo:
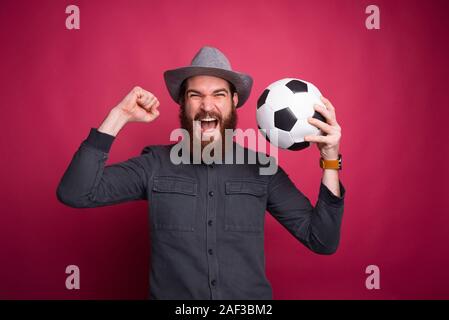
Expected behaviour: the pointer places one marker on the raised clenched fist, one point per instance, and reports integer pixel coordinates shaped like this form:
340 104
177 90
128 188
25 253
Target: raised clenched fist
139 106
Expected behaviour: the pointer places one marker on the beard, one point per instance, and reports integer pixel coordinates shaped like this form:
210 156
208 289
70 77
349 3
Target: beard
228 122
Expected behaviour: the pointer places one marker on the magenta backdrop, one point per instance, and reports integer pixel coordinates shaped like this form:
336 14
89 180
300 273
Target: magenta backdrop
389 88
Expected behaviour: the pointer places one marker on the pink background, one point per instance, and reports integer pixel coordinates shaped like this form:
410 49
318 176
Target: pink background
389 88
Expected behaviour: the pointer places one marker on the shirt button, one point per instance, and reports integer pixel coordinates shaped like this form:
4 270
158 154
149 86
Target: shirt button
209 222
211 193
210 251
213 282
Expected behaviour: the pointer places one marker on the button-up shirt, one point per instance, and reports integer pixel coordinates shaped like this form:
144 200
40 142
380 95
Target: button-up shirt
207 221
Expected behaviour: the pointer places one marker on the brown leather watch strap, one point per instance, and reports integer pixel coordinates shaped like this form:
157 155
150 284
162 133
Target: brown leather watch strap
331 164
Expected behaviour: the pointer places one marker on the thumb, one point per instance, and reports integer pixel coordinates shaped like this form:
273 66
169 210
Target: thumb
150 116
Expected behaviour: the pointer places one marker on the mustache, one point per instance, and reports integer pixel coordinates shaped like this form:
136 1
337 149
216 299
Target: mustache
206 114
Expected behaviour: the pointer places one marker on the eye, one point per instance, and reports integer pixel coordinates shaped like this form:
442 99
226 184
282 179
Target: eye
220 94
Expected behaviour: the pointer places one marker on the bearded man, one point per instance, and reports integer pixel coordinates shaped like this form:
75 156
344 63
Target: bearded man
207 219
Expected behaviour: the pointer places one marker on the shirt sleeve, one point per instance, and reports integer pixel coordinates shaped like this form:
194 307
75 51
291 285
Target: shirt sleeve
318 228
88 182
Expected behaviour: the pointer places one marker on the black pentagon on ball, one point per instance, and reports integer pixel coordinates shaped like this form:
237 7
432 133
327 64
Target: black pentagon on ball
299 146
297 86
318 116
264 133
262 98
284 119
267 137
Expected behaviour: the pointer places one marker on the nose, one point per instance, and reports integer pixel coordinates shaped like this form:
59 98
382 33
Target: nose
207 104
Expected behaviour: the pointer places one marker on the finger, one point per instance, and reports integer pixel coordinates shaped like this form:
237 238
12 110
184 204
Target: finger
321 125
317 139
329 105
146 101
154 106
137 91
145 97
150 100
150 117
154 112
330 118
323 111
149 96
141 94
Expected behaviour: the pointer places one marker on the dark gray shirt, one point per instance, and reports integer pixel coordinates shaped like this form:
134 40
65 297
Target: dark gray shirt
207 221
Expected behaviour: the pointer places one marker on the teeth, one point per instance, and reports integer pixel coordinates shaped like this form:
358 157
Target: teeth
208 119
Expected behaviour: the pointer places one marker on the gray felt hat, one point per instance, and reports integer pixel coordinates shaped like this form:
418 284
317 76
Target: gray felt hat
211 62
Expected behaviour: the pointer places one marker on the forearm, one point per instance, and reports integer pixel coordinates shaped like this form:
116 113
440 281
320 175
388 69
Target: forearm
331 181
316 227
114 122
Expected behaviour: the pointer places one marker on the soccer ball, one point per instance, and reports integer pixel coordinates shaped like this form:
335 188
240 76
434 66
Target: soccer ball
282 112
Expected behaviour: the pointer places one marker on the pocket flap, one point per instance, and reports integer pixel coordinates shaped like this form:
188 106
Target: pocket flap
175 185
253 187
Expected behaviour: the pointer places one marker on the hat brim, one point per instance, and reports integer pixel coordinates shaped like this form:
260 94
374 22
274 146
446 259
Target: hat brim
242 82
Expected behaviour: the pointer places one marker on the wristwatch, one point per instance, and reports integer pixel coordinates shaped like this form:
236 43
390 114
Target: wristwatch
331 164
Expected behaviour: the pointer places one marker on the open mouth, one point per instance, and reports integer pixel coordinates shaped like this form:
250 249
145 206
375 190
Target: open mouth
208 125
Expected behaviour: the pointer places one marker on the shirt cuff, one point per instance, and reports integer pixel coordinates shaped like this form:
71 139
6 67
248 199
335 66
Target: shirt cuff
100 140
327 196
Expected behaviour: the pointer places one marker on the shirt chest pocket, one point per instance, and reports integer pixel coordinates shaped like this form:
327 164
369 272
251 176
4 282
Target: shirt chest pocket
245 204
173 203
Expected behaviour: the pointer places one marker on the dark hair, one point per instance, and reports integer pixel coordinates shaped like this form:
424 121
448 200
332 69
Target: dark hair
183 87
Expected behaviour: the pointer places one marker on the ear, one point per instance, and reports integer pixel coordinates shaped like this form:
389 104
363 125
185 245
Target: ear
235 98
